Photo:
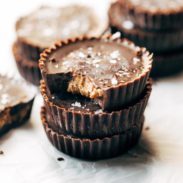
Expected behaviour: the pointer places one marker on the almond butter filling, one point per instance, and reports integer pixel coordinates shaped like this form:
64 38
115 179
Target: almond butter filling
84 86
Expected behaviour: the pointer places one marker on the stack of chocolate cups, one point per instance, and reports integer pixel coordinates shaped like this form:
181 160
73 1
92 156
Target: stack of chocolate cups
95 92
156 25
42 27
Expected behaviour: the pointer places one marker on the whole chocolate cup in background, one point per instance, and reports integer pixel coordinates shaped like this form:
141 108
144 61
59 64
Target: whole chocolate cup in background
52 27
114 97
15 110
28 69
167 64
88 124
157 20
161 41
93 149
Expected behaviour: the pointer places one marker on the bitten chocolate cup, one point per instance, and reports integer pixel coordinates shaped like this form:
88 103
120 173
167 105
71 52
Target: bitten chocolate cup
156 14
156 41
42 27
78 116
111 72
28 69
99 148
16 99
167 64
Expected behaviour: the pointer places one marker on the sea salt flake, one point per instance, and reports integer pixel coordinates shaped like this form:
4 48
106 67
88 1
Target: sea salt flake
114 81
81 55
56 65
76 104
128 24
5 98
48 32
65 62
113 61
136 60
99 54
98 111
89 49
97 65
115 54
96 61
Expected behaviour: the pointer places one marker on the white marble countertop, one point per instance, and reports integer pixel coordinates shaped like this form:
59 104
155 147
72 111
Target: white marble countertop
29 158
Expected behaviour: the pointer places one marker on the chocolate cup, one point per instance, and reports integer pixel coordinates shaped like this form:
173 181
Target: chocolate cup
15 116
31 51
153 21
88 124
113 98
167 64
155 41
28 69
92 149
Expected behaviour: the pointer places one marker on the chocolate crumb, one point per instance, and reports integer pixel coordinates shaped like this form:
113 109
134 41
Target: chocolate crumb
1 152
139 53
147 128
53 60
60 159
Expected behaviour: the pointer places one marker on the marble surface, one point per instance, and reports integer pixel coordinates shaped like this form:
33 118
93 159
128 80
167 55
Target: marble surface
29 158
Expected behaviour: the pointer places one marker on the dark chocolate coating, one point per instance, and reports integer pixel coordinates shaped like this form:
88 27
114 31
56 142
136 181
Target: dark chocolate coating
159 20
167 64
81 117
92 149
16 100
15 116
28 68
156 41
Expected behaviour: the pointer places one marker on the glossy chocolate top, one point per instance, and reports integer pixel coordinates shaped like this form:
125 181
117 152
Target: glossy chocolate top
158 5
13 92
46 25
107 63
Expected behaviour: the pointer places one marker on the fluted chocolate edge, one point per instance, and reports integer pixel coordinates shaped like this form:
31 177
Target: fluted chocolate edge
154 41
32 51
90 124
28 68
92 148
153 20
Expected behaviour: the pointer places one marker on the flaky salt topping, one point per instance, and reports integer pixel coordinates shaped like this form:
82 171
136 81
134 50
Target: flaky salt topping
47 24
13 92
104 64
154 5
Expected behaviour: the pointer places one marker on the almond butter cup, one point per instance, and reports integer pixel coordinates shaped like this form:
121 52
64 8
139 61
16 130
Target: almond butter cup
167 64
114 97
158 20
89 124
14 115
28 68
99 148
161 41
32 49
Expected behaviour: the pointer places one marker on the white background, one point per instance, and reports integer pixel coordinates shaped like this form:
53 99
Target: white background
29 158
